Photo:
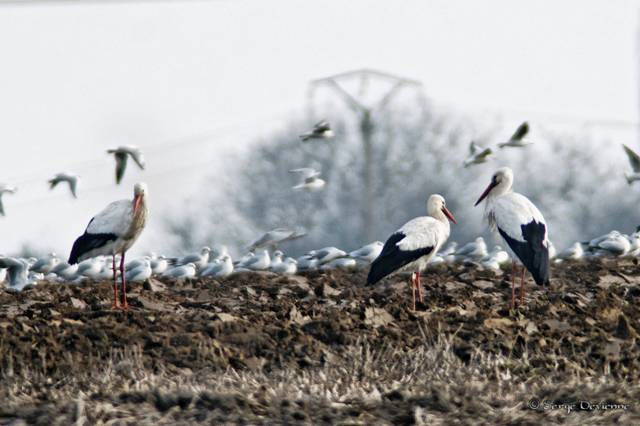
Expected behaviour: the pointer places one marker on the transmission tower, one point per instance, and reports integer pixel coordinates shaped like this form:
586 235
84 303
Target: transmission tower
364 110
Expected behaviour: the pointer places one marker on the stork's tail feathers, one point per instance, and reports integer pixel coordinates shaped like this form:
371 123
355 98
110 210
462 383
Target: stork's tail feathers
540 273
75 253
375 275
85 243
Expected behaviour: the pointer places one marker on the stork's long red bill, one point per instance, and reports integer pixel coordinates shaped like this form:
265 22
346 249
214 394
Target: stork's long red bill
448 214
485 193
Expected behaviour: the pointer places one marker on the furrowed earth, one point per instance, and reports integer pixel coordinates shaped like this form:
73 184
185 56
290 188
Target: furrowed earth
323 348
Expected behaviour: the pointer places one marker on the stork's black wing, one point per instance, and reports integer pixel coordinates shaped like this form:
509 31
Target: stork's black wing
532 252
393 258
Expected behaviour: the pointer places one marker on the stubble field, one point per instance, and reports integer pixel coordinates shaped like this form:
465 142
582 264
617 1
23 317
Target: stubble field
322 348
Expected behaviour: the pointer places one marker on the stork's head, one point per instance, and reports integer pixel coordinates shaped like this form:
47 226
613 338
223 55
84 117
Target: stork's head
436 207
139 193
501 182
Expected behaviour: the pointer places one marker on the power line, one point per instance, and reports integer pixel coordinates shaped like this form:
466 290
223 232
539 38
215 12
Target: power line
162 147
95 190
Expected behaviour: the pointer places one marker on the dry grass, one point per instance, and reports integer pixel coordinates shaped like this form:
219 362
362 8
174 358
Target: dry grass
427 385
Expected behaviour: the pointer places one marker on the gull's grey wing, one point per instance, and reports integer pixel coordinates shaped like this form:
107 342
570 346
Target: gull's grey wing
307 172
294 236
121 165
272 237
634 159
136 154
191 258
322 126
53 182
473 148
521 132
73 183
485 153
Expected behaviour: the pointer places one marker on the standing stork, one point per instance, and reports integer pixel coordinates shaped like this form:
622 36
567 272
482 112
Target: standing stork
113 231
521 225
412 246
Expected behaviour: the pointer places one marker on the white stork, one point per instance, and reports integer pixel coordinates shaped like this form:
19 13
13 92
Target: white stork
113 231
521 225
411 247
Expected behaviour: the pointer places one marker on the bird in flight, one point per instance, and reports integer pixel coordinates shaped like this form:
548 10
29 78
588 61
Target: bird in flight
634 160
5 189
519 138
322 130
70 178
122 153
275 237
312 181
477 154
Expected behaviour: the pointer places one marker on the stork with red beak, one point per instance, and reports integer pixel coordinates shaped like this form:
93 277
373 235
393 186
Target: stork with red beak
412 246
521 225
113 231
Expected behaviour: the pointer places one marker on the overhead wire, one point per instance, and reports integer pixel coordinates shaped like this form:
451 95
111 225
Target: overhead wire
152 149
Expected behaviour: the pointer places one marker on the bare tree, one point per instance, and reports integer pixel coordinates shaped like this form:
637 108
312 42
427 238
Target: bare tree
580 194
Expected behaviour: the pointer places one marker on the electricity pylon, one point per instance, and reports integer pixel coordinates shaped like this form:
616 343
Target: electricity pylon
365 113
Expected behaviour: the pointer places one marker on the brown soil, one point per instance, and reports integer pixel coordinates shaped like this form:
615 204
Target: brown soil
324 348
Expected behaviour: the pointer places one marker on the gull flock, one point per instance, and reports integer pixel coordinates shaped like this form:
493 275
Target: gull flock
100 252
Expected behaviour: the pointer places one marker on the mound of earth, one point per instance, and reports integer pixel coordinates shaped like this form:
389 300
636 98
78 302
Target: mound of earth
322 347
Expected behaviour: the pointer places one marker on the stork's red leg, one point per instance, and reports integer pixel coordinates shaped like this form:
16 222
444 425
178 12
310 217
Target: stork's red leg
125 305
419 285
413 289
522 287
115 304
513 284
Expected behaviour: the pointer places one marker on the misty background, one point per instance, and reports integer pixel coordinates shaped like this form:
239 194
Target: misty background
216 92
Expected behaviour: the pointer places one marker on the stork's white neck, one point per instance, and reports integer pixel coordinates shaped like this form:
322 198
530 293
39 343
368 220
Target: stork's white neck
438 214
503 187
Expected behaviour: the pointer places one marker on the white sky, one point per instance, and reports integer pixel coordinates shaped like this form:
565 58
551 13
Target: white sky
193 82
